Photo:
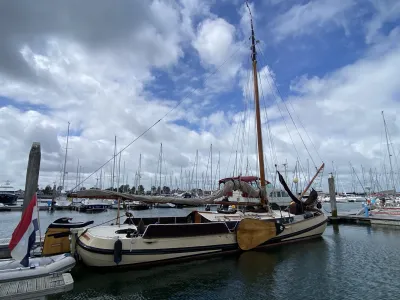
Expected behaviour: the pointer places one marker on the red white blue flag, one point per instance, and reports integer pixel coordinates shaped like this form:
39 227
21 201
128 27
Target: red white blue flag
24 236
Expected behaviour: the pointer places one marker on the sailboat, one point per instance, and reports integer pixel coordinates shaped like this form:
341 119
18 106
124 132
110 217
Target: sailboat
139 241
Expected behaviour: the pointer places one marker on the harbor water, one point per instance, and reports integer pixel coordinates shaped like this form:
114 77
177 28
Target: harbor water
348 262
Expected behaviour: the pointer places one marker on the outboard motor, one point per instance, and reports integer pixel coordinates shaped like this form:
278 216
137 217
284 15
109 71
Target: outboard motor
56 239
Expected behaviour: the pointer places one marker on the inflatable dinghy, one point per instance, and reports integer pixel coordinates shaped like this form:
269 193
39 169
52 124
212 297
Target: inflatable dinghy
10 269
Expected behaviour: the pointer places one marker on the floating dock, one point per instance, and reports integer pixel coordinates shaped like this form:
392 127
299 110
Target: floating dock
5 252
19 208
36 288
364 220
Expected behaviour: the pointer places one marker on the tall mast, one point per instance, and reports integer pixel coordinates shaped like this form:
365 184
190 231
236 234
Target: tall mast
197 162
390 156
363 175
101 178
219 165
181 181
119 171
65 158
113 169
211 183
160 167
257 105
139 171
123 179
77 176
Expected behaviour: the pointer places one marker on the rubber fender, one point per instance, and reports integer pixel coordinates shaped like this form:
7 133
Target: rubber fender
117 251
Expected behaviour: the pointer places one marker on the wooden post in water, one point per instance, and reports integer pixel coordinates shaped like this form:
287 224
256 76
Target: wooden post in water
32 174
53 199
118 213
332 194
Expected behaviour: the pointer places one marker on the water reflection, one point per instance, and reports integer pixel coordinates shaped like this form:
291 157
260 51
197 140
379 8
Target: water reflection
253 264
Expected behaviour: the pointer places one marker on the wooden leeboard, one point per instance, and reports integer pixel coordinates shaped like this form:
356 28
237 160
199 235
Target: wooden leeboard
36 287
252 233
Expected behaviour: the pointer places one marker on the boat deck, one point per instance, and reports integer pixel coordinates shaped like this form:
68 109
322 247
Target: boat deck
36 288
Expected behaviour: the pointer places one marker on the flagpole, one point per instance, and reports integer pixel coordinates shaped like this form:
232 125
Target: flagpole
38 219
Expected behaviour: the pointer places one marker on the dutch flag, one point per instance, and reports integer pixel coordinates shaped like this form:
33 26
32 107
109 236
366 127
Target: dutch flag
24 236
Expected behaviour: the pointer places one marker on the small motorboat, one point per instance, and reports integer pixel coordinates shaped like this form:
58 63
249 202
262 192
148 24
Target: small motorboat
55 255
164 205
137 205
10 269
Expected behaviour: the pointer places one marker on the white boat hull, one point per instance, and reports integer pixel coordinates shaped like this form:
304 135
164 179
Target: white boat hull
11 269
96 246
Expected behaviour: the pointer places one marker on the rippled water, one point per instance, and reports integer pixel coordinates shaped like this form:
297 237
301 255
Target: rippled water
348 262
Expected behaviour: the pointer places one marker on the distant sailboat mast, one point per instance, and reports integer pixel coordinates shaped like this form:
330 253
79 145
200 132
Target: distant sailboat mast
390 156
65 158
113 168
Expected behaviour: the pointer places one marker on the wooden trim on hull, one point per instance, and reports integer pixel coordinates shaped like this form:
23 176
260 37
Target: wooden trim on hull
214 249
159 251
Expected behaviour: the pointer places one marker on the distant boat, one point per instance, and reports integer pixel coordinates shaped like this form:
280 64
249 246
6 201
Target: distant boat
137 205
93 205
7 194
62 203
164 205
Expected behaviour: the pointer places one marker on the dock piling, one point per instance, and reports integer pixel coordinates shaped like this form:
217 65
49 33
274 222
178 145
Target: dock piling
53 198
32 174
332 195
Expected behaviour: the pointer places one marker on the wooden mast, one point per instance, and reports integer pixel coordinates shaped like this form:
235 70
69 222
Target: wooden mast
258 118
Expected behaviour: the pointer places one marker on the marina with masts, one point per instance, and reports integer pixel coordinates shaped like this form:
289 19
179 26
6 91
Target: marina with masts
261 208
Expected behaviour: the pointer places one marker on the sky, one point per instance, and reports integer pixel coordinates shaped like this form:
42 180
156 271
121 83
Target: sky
326 70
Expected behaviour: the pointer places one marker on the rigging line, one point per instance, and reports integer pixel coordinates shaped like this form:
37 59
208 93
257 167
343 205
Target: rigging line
230 155
240 145
357 178
245 121
276 90
233 145
238 142
393 151
267 119
248 98
206 175
272 148
280 111
287 128
166 114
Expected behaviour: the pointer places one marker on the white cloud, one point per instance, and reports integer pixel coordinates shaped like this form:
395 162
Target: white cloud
219 52
302 19
386 11
215 40
108 91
